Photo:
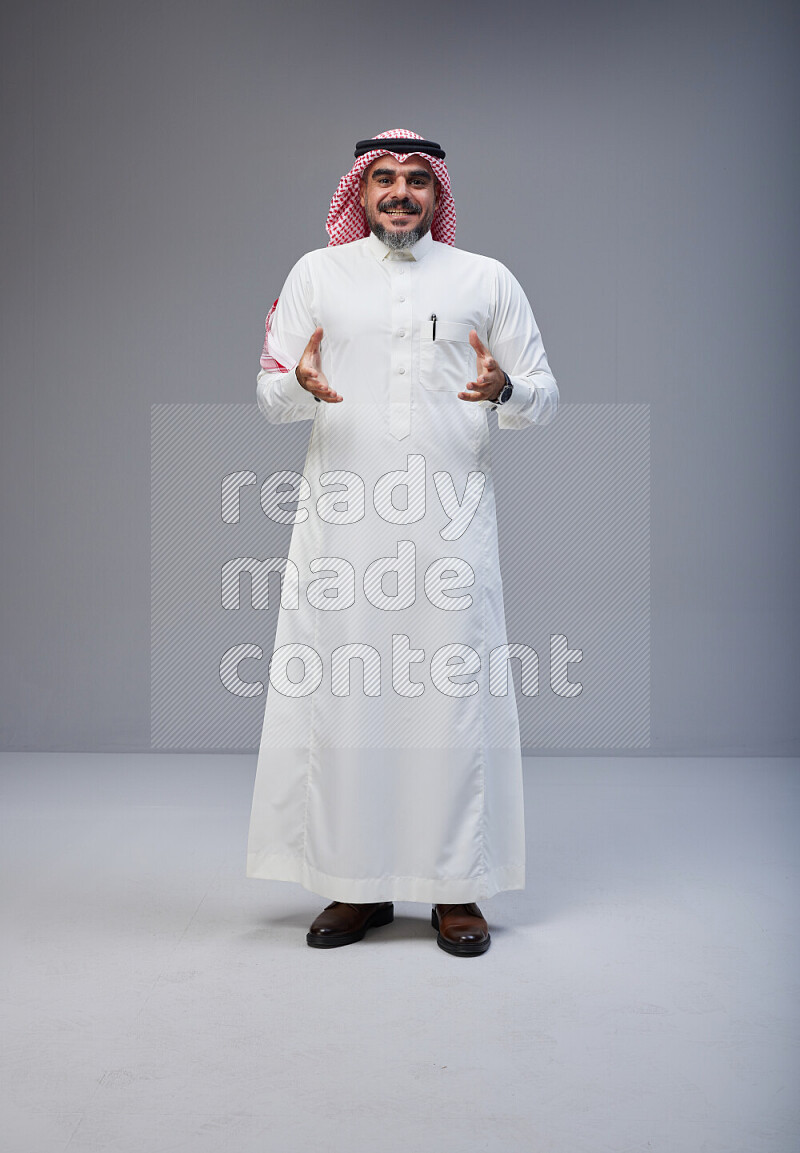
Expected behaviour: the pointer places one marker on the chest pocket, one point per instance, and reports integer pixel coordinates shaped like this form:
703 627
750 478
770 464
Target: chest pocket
447 359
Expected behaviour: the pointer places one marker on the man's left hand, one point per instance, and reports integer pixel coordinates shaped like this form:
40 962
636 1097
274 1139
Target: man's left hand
490 377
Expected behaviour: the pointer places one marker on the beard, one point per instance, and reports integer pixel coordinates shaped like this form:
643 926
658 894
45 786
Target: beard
400 239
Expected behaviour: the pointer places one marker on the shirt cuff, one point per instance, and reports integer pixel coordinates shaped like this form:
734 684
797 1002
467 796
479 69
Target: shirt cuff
529 403
314 399
522 399
281 393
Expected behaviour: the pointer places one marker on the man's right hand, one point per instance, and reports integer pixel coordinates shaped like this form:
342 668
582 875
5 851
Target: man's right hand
309 371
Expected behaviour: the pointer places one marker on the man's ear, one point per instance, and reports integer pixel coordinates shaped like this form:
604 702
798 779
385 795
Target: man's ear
362 190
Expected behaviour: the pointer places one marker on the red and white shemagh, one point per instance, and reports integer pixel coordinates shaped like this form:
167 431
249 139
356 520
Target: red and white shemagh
347 220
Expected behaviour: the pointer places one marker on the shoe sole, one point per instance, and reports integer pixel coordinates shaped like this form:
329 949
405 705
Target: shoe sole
465 949
333 940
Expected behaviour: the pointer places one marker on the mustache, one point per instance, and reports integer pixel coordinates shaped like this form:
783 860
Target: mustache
404 205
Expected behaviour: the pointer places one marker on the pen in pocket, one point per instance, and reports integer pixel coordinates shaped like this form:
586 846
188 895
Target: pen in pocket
433 318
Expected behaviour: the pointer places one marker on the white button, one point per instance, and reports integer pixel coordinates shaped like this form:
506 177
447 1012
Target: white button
402 298
402 332
401 371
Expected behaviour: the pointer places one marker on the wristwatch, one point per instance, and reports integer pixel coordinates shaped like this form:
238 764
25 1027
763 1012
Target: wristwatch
508 388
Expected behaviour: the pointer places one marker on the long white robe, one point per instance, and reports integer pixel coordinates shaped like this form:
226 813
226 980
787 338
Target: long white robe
391 770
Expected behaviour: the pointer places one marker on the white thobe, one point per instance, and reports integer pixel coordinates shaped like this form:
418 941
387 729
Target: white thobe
389 766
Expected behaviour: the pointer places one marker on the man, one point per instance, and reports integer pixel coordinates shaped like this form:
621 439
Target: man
389 766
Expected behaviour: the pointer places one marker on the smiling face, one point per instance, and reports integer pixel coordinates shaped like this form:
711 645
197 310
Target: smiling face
399 199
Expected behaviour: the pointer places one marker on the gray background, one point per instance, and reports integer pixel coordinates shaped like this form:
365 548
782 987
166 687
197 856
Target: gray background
165 164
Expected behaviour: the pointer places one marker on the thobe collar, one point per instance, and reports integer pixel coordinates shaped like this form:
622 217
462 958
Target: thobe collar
382 251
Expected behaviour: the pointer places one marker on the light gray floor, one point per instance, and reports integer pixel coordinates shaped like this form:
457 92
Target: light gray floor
640 994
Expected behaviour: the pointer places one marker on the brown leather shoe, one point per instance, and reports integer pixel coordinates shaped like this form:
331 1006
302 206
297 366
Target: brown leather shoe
340 923
462 929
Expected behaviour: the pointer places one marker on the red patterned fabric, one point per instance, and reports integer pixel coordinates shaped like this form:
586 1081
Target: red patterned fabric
347 220
269 363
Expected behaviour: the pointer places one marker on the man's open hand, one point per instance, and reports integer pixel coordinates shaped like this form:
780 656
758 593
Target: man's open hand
309 371
490 378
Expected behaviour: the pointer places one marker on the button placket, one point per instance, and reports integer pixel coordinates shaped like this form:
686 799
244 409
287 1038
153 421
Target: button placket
400 353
